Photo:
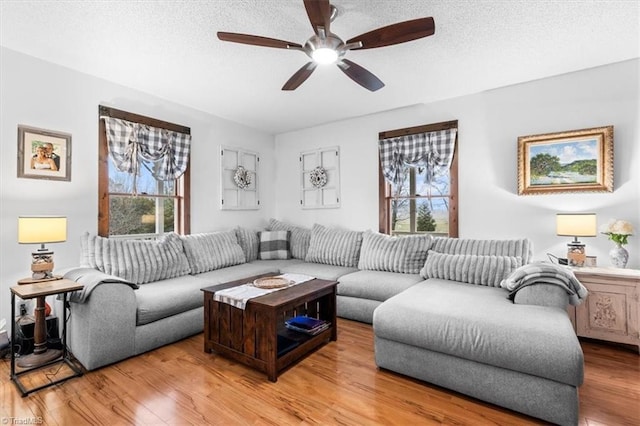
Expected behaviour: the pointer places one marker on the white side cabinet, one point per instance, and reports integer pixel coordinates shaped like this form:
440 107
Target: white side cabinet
610 312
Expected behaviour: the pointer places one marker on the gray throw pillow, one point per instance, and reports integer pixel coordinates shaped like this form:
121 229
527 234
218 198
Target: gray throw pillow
213 250
249 241
405 254
333 246
137 261
522 248
274 245
470 268
299 237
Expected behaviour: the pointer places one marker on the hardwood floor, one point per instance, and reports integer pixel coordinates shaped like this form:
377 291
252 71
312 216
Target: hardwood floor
338 384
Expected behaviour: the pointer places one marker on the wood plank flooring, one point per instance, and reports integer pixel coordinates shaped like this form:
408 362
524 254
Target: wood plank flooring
179 384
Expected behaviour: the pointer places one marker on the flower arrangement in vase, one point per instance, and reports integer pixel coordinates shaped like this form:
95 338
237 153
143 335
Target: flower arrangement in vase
618 231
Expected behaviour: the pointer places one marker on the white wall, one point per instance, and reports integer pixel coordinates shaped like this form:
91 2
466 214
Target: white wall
41 94
489 125
44 95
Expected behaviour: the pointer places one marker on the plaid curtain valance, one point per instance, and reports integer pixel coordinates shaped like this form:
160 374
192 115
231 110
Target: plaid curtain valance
129 142
433 150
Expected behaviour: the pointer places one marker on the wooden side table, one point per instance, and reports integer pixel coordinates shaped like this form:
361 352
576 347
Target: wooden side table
41 357
611 312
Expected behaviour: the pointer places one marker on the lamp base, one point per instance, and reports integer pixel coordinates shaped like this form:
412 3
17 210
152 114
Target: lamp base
36 360
576 254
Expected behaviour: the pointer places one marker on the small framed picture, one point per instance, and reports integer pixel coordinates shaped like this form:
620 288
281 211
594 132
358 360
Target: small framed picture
43 154
573 161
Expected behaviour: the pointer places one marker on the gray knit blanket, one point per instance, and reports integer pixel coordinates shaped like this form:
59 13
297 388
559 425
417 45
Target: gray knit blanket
545 273
91 278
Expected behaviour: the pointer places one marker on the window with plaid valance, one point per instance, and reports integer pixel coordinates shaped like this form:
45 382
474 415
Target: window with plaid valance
131 142
432 150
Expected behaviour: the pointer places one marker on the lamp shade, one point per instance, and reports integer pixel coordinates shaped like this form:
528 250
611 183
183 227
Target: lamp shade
42 229
576 224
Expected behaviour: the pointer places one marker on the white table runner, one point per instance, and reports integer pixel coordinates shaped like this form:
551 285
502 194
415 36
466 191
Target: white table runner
239 296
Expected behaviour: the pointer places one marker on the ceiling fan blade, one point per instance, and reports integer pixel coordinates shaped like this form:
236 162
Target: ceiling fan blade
257 40
395 33
319 12
300 76
360 75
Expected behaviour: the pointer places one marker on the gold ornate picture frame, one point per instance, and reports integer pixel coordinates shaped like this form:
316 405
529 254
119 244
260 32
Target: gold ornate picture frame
572 161
43 154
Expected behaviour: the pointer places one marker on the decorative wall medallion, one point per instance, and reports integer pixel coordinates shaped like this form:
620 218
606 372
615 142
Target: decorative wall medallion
242 177
318 177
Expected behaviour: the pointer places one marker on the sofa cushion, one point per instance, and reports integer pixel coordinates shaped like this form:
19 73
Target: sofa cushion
333 246
236 272
213 250
382 252
299 240
137 261
522 248
356 309
249 240
480 324
274 245
165 298
375 285
470 268
318 270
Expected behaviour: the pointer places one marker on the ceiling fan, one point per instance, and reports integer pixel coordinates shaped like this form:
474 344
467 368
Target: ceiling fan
324 47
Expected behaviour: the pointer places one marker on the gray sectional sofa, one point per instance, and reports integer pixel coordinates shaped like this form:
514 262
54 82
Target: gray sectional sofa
437 307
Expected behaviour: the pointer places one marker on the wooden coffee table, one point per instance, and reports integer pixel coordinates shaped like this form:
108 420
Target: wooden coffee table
257 336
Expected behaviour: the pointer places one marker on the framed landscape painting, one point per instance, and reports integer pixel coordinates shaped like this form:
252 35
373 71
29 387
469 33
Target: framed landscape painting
43 154
573 161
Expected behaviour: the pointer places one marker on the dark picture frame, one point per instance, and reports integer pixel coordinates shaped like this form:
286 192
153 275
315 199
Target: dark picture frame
571 161
43 154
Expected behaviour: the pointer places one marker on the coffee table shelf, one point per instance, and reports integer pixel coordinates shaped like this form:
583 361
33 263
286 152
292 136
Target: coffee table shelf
250 336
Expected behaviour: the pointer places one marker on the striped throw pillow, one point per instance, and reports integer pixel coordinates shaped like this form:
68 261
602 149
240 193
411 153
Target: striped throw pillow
334 246
522 248
213 250
249 241
137 261
405 254
470 268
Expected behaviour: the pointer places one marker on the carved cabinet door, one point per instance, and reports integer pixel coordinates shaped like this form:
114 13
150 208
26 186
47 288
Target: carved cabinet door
610 311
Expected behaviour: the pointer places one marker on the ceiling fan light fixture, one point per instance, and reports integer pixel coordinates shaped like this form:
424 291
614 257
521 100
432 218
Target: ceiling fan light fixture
324 55
324 47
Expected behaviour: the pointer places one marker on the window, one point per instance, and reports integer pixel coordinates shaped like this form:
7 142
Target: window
420 202
139 205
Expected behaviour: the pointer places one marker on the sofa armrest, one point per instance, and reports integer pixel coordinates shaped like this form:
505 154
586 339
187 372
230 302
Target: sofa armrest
102 328
542 294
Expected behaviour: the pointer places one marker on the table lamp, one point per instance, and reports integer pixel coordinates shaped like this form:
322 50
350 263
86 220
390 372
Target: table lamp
42 230
576 225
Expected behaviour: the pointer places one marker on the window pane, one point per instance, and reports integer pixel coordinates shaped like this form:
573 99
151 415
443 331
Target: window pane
400 215
132 215
439 186
122 182
432 215
169 210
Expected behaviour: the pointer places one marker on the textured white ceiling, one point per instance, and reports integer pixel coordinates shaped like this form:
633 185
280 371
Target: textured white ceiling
169 48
